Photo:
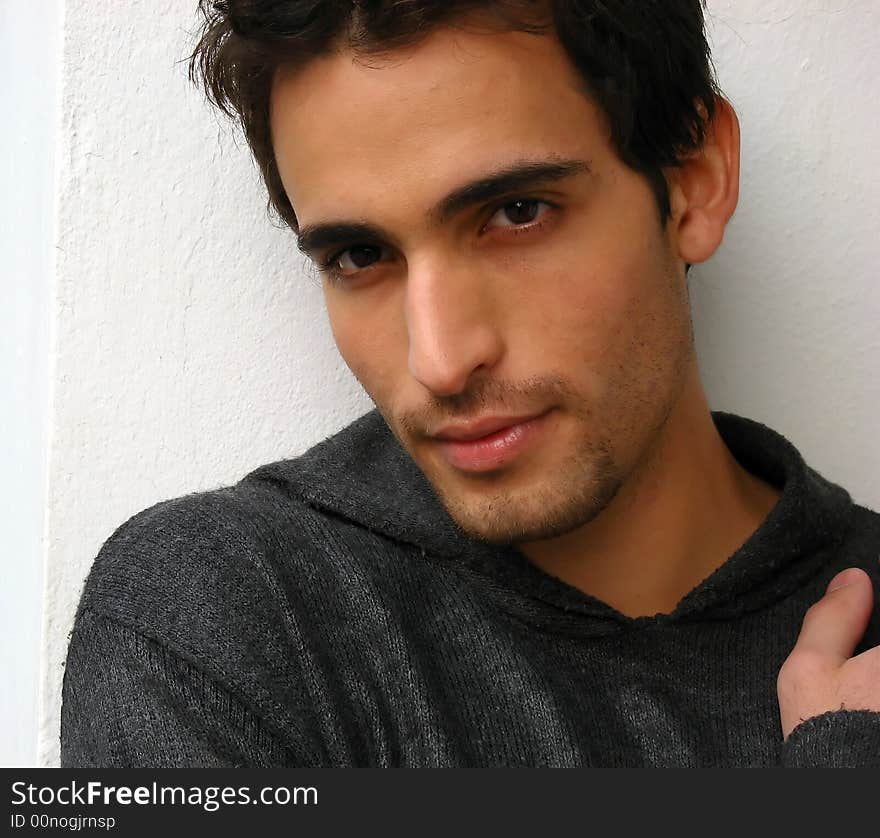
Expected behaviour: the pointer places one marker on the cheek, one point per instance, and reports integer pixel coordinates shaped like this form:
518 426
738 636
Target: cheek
581 310
365 336
596 264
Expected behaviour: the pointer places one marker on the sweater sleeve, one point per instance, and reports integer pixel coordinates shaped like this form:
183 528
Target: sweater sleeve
127 701
836 739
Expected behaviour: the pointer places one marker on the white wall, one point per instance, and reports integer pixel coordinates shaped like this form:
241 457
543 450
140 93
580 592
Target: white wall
29 54
786 313
190 348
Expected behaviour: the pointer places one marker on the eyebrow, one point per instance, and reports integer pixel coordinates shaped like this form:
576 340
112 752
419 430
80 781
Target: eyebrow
522 175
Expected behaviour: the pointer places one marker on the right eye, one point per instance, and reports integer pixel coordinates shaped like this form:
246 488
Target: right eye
345 263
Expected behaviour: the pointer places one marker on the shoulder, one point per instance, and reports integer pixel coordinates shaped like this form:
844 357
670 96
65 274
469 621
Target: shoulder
218 580
187 618
260 585
270 560
190 567
197 555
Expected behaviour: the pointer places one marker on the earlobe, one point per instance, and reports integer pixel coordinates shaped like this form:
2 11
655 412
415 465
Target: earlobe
705 188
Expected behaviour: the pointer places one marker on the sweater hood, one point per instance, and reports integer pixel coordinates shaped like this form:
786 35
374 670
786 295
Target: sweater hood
363 474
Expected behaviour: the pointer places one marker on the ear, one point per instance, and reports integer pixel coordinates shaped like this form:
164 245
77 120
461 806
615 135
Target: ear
704 190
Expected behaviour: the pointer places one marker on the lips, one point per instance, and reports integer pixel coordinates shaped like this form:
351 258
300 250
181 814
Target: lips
478 428
475 450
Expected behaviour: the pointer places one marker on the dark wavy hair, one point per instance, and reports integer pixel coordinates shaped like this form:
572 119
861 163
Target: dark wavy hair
646 63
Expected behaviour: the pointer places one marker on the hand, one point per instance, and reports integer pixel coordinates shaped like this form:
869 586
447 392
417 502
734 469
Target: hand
820 674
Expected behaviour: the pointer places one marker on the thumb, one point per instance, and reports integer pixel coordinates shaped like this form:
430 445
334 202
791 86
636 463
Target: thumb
833 626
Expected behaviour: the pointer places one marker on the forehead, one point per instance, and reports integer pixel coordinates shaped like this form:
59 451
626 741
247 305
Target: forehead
365 135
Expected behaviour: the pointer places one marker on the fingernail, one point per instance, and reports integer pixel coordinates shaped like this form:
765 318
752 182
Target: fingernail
843 580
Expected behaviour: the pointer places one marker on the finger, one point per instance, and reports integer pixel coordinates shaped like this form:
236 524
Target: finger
833 627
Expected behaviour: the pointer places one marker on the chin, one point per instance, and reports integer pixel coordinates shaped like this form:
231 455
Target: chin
533 513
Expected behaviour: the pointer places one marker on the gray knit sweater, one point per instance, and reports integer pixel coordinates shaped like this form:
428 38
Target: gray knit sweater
326 611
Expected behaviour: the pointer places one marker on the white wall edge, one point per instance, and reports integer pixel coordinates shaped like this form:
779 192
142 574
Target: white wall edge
31 37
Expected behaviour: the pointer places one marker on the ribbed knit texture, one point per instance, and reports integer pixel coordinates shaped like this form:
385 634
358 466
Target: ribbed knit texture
326 611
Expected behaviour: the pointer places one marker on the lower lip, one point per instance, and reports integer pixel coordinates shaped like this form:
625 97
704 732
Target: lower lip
494 450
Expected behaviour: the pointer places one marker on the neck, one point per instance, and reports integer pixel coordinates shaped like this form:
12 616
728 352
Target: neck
683 512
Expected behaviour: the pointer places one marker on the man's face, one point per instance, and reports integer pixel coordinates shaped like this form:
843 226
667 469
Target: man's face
562 298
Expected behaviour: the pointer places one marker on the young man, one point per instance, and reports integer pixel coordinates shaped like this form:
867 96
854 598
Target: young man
542 548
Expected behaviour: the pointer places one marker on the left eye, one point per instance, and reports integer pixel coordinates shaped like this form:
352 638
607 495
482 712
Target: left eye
519 213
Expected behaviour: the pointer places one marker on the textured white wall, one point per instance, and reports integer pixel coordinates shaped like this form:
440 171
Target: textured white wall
192 348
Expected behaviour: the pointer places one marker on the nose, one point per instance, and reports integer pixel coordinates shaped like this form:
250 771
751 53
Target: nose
452 325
